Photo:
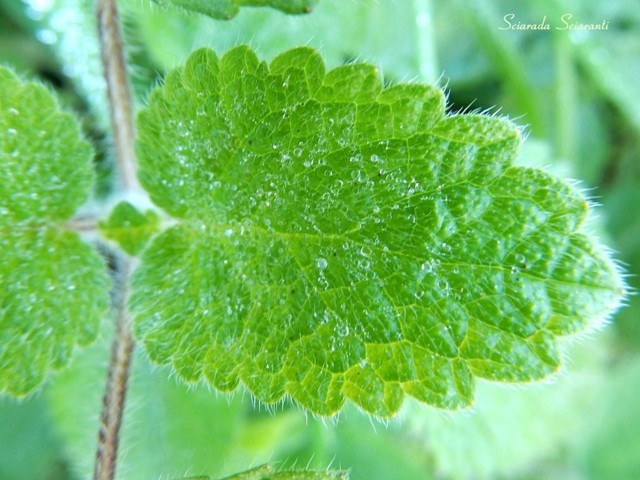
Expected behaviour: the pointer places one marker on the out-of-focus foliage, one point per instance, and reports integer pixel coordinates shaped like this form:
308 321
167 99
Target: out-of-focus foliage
227 9
576 92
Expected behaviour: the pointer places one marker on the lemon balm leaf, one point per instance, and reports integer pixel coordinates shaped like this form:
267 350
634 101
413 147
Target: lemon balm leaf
53 287
340 240
227 9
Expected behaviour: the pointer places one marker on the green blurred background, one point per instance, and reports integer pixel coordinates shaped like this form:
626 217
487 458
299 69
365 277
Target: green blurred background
578 95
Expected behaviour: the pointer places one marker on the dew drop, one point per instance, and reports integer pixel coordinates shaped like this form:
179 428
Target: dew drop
297 152
321 263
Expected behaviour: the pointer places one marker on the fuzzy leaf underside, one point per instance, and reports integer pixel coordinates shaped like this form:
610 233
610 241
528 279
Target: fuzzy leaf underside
53 288
338 240
227 9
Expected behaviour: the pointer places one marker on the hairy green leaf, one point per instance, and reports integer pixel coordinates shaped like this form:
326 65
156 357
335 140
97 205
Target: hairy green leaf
226 9
267 472
53 287
129 228
340 240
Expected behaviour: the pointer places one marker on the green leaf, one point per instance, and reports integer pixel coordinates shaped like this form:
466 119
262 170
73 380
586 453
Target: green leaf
267 472
338 240
129 228
227 9
53 287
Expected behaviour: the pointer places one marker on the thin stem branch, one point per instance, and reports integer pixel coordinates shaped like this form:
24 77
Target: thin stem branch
121 108
117 379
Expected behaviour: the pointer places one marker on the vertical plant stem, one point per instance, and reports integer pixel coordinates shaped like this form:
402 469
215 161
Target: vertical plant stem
118 375
121 109
120 103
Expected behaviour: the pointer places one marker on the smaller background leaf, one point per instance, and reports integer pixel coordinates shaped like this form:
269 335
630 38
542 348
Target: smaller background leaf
227 9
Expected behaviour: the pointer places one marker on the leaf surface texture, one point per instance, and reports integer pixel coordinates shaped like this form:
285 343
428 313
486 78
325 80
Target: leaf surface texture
340 240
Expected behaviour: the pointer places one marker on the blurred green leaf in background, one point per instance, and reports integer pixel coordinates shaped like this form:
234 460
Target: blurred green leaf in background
578 95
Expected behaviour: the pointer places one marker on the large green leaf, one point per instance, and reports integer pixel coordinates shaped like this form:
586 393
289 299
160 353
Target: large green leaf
267 472
226 9
340 240
53 287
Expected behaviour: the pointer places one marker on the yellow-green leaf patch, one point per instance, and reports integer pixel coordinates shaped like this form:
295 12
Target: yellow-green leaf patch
129 228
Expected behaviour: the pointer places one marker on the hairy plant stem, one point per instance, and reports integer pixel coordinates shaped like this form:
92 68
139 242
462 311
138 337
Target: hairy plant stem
118 375
120 104
121 109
